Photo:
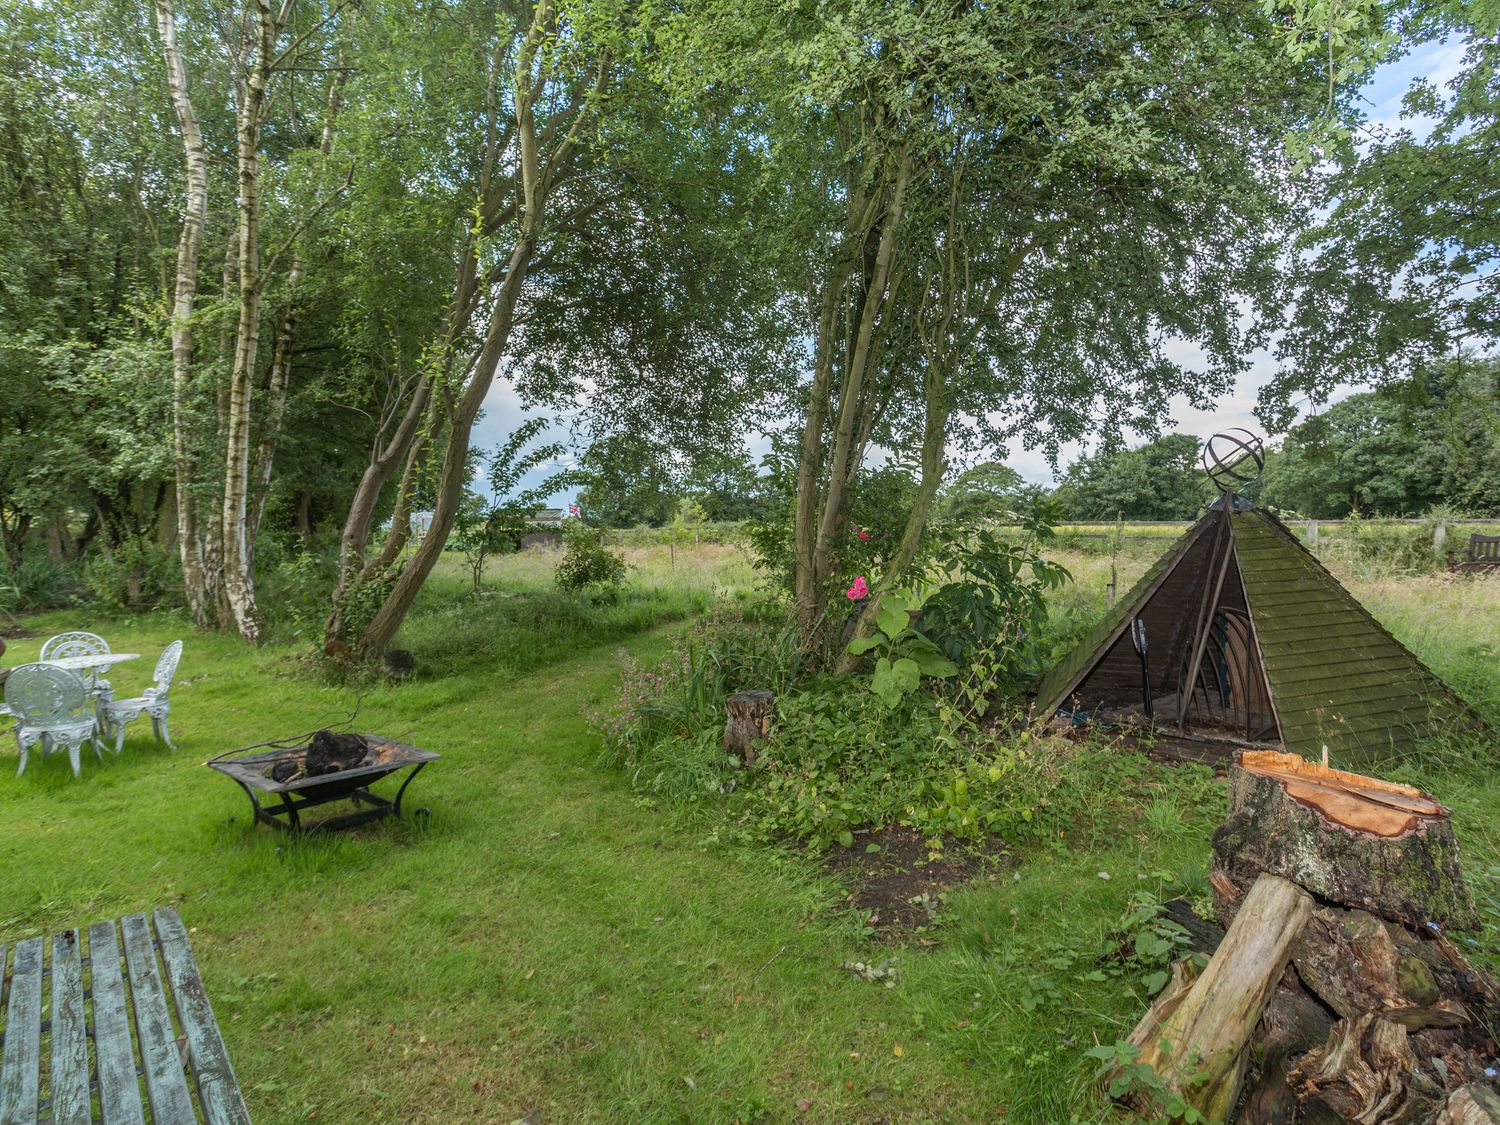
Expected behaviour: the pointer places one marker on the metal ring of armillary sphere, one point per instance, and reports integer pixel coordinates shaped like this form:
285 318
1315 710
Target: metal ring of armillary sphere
1233 459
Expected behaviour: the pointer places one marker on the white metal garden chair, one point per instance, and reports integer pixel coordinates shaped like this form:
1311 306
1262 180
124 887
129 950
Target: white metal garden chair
51 707
116 714
81 644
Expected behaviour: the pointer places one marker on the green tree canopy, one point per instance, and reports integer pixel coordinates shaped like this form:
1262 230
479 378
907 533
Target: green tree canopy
1160 480
626 481
988 491
1405 268
1398 451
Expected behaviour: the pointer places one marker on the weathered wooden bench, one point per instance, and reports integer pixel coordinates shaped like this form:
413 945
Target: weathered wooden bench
1483 554
67 1053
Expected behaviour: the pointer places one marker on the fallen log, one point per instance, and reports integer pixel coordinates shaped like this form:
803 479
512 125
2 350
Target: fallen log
1197 1038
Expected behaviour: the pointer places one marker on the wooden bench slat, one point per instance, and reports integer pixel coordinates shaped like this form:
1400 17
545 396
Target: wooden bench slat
70 1036
21 1063
119 1091
166 1085
218 1090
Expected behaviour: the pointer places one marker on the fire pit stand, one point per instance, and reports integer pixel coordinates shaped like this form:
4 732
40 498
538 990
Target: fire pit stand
298 793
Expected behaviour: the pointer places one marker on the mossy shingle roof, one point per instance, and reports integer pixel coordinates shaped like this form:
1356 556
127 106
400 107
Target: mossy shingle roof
1336 677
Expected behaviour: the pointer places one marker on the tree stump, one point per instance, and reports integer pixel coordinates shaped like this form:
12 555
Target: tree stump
1382 861
1368 1073
1197 1040
747 720
1348 839
1363 1011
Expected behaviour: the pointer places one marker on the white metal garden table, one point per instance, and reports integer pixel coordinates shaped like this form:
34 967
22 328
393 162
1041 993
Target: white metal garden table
92 663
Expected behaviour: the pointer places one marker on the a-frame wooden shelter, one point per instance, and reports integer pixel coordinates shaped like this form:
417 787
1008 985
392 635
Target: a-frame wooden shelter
1248 638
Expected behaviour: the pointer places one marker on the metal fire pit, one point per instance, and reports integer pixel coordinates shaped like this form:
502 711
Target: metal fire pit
253 772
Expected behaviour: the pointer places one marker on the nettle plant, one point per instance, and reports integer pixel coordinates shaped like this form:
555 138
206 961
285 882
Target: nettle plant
905 653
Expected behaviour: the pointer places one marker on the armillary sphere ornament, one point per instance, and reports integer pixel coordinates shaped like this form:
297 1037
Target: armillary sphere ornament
1233 459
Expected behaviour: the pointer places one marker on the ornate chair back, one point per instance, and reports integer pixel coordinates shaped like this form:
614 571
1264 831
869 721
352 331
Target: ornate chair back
166 668
42 695
74 644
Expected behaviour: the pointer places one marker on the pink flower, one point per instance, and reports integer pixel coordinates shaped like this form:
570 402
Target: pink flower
859 590
863 534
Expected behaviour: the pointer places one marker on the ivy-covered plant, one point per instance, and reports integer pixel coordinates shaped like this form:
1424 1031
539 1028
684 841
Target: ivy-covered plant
905 653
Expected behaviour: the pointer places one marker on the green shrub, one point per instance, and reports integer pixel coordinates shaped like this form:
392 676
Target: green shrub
39 582
138 572
293 583
839 758
588 564
665 722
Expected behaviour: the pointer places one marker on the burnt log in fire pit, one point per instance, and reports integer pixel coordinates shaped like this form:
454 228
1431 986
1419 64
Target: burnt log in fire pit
328 767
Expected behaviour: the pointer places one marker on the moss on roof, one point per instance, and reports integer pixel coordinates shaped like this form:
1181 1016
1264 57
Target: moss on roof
1337 677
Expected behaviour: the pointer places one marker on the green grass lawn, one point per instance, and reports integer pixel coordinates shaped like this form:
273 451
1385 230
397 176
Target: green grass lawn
551 943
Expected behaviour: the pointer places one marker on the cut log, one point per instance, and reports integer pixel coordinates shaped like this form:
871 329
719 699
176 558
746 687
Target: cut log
1185 973
1367 1073
1198 1042
1471 1105
1348 839
747 720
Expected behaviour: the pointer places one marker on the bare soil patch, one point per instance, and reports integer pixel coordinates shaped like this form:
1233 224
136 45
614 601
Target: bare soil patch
899 888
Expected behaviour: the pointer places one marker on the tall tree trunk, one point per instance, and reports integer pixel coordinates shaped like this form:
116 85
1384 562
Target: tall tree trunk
212 520
189 540
454 473
839 469
536 173
820 494
239 583
402 445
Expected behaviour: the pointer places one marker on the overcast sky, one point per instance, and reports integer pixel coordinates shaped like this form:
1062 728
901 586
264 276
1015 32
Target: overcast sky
1437 62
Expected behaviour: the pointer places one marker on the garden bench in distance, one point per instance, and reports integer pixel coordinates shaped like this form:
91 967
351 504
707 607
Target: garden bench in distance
187 1075
1483 554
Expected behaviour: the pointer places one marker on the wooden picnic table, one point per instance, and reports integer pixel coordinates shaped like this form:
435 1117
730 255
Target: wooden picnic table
188 1078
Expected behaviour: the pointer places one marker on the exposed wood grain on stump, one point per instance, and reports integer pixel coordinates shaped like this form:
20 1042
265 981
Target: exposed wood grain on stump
1293 1024
1471 1105
1347 839
1367 1073
747 720
1198 1043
